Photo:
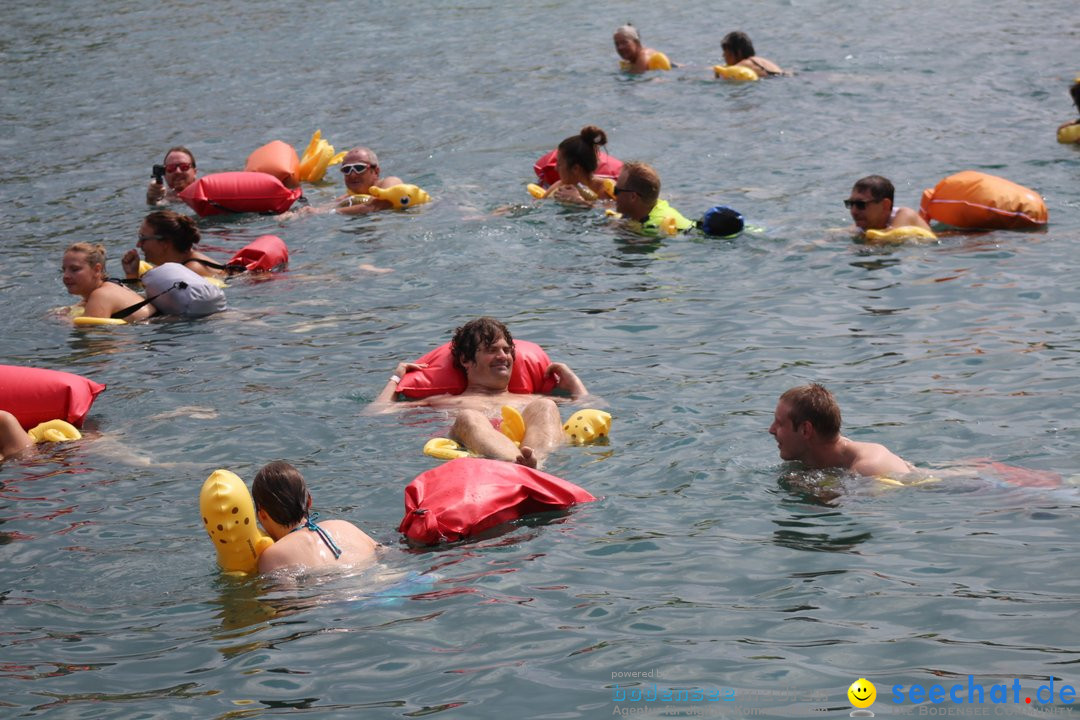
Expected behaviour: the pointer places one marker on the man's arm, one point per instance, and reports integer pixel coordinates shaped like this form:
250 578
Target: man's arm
565 379
385 400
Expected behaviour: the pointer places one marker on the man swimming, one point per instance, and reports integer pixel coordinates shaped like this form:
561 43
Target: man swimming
484 350
871 206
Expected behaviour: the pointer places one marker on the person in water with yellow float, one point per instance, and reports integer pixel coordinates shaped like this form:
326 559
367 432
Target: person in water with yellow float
577 159
14 440
1070 131
871 206
743 64
84 275
367 191
636 58
485 351
175 173
637 200
167 236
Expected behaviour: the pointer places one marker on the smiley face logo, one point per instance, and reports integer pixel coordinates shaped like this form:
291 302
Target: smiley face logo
862 693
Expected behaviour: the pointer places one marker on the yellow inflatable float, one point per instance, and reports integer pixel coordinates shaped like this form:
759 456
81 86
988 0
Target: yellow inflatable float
318 156
228 514
587 425
735 73
1069 134
900 234
586 192
400 196
54 431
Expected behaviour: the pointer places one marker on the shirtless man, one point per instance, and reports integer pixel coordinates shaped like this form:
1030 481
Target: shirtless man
636 58
806 426
283 506
179 173
484 350
360 166
871 206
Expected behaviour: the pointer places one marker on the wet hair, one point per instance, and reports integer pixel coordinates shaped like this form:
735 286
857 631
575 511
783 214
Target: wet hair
473 336
814 404
1075 92
880 188
642 179
739 44
629 31
582 149
180 230
179 148
280 490
95 253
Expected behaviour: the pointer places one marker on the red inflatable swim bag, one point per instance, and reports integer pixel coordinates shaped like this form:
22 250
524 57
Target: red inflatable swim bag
466 496
237 192
971 199
264 253
37 395
441 377
547 169
278 159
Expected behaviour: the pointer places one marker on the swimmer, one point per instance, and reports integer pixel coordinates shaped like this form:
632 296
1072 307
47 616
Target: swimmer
167 236
484 350
806 426
1074 91
84 275
13 439
871 206
637 198
738 50
636 58
283 507
577 160
179 167
360 166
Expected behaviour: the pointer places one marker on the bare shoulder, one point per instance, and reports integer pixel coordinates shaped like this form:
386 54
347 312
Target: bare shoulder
906 217
390 181
875 459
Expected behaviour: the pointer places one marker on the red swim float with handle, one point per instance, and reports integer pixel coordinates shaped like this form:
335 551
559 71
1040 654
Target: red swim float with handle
276 158
547 170
976 200
466 496
37 395
441 377
237 192
264 253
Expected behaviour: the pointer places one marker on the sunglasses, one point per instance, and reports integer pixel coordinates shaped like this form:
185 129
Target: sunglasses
173 167
859 204
144 238
618 190
355 168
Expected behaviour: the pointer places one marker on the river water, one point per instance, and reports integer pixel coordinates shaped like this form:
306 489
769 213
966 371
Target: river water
702 567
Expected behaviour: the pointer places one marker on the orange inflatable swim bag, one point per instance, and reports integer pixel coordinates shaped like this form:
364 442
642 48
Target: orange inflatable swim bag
237 192
37 395
263 254
971 199
466 496
278 159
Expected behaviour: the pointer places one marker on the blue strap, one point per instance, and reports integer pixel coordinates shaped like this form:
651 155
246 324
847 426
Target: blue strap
310 525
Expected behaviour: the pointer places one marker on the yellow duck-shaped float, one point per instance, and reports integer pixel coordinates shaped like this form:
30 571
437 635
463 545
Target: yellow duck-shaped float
228 514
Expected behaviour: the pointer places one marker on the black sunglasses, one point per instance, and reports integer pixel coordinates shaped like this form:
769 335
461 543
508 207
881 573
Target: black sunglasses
622 190
858 204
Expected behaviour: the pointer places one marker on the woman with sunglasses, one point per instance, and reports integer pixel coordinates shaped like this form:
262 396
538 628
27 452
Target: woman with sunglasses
167 236
179 167
360 167
84 275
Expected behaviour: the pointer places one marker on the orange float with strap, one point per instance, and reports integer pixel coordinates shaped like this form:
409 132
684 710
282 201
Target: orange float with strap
278 159
976 200
239 192
441 377
264 254
547 170
466 496
37 395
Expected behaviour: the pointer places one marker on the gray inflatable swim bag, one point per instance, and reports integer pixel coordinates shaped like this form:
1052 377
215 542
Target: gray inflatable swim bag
177 290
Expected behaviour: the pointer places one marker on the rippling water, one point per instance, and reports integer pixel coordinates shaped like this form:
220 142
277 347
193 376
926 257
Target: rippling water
702 562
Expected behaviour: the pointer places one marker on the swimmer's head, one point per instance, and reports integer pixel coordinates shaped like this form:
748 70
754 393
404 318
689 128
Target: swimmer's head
813 403
1075 92
179 165
178 231
880 188
627 42
737 47
279 490
581 150
476 335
